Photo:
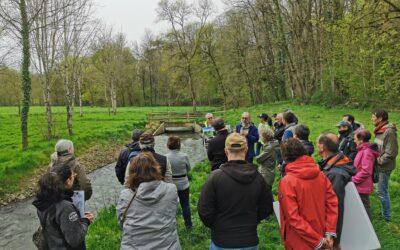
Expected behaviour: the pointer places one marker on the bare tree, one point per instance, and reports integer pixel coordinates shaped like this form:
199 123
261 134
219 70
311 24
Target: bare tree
187 22
17 17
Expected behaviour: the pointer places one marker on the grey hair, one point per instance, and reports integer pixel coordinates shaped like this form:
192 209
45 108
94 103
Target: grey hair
267 133
63 145
146 146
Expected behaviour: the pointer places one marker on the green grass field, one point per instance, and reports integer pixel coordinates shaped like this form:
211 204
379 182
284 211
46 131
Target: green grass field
95 127
105 234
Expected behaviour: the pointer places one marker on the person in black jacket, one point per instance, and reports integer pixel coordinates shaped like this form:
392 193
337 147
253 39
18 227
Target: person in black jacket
302 132
234 199
216 146
279 127
123 158
339 170
346 140
62 225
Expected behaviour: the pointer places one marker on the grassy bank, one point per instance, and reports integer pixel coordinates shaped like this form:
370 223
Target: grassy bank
94 128
104 233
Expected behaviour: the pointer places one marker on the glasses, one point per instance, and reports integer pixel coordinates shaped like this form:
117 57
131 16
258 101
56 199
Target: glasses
245 118
209 118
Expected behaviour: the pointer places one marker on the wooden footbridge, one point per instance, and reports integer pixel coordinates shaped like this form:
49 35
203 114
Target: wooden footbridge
177 121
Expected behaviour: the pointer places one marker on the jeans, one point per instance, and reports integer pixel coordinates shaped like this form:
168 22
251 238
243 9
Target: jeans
383 193
214 247
185 205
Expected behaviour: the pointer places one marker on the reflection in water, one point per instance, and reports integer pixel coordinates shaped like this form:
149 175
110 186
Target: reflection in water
19 220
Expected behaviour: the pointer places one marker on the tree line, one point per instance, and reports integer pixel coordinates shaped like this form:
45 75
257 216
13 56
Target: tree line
256 51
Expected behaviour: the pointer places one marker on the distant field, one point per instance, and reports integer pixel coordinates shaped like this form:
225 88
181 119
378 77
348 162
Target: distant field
95 127
105 234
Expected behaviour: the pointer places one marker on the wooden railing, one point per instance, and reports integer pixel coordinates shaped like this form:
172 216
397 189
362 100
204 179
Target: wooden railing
180 116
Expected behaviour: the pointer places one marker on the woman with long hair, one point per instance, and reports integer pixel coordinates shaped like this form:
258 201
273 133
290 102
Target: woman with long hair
62 226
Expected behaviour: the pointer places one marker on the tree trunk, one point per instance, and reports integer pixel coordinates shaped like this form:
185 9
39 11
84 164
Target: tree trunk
113 98
26 78
47 105
191 87
68 101
80 95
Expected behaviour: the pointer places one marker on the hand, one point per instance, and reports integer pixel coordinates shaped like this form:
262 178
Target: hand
89 216
330 241
325 244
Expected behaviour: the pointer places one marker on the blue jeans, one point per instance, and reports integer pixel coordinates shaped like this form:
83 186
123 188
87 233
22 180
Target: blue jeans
214 247
383 193
185 205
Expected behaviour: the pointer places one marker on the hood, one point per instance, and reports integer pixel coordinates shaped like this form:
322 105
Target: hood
368 146
240 171
340 161
273 143
42 203
304 168
133 146
290 125
151 192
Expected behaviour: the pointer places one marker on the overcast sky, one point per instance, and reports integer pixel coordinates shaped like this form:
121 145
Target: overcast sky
133 17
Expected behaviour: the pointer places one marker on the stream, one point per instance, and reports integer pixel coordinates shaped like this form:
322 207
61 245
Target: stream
19 220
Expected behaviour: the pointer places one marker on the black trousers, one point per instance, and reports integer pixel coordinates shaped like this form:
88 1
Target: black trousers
185 205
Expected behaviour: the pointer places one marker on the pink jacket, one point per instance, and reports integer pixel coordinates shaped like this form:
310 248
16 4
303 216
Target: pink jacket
364 164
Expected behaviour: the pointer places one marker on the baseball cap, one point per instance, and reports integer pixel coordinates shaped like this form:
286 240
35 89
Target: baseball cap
136 134
343 124
236 142
263 115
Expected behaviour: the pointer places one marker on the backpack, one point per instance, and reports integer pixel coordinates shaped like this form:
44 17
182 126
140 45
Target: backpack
375 173
38 237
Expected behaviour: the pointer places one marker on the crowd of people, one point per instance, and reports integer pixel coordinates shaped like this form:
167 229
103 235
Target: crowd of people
237 195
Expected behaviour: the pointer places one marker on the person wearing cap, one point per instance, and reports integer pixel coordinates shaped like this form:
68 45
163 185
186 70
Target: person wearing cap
209 119
64 156
123 158
346 139
234 199
265 123
354 124
339 169
248 130
216 146
146 144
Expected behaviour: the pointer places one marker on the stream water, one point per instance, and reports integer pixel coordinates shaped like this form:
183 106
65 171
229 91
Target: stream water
18 221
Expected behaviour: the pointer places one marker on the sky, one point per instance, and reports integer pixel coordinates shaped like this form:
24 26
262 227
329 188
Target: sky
133 17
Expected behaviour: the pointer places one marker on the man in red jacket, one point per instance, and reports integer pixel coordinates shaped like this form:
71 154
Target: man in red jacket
308 204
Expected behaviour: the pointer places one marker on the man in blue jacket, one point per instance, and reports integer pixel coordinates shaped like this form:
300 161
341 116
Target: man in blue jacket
247 129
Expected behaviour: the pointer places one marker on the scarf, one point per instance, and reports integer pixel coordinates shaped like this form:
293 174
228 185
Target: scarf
380 128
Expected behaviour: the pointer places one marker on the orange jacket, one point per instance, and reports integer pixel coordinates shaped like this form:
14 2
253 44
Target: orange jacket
308 205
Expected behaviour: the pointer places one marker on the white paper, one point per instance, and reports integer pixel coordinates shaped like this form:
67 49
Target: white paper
358 232
79 201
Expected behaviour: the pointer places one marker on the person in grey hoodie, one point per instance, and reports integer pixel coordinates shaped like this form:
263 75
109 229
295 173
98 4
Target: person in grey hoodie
180 167
62 227
146 209
268 157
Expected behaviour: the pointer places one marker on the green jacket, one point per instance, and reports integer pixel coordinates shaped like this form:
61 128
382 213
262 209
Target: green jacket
388 148
267 161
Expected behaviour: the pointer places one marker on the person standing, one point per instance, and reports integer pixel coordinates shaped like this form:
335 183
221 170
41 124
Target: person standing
62 226
339 170
346 140
364 164
354 125
265 123
146 144
290 121
268 157
250 132
386 138
209 119
234 200
123 158
279 127
302 133
146 208
180 167
216 146
63 156
308 204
